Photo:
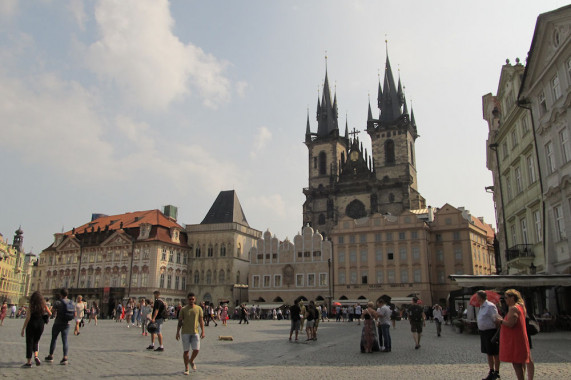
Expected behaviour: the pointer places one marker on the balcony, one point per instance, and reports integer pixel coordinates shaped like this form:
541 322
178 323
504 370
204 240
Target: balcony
520 256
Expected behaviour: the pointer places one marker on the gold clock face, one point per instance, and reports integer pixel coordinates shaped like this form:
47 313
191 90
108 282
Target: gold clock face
354 156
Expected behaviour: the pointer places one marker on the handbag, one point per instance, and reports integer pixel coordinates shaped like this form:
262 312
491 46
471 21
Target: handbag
532 327
46 318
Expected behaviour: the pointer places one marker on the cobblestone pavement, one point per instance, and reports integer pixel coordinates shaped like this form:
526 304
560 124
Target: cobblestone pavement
261 350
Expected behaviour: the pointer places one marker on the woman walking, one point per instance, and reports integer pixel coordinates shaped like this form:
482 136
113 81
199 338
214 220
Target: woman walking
129 312
34 327
145 311
224 314
514 345
79 313
93 312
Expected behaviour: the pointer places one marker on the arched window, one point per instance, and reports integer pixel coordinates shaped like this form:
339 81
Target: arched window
214 273
210 251
196 277
389 152
197 251
222 250
209 277
322 163
221 277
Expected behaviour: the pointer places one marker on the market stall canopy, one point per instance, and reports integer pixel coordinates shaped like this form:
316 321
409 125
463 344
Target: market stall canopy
503 281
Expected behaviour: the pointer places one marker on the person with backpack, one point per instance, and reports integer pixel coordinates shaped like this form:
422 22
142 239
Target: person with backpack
417 321
158 316
65 312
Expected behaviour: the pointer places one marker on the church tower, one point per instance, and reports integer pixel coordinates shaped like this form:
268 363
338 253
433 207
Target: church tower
393 136
327 150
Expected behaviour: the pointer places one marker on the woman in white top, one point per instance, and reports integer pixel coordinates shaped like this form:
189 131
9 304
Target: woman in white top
79 312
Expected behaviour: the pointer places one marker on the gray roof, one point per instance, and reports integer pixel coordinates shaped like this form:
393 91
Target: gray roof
226 209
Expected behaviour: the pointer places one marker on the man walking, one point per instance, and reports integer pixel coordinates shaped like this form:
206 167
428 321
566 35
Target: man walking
384 313
243 314
295 312
158 315
438 318
65 312
189 318
417 321
487 326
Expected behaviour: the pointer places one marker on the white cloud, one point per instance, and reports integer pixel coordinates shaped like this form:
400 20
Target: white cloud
241 88
152 68
272 205
8 8
263 136
78 12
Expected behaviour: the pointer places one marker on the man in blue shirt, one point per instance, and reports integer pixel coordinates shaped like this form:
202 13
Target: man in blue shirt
487 325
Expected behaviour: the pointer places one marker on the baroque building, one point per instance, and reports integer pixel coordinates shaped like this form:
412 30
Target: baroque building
114 257
219 248
344 180
512 158
13 270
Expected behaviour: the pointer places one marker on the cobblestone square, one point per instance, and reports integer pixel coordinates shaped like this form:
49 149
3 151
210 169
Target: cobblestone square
260 350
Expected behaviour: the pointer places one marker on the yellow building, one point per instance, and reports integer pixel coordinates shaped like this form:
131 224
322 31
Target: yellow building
12 285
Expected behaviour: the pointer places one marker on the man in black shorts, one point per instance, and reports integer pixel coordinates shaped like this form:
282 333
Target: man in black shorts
295 312
487 325
417 320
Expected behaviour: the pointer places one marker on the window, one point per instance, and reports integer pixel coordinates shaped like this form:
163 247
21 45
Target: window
169 281
379 277
404 275
352 239
391 276
403 254
537 223
197 251
340 240
210 252
524 236
556 87
322 163
390 256
278 280
417 276
531 169
267 281
255 281
221 276
415 253
352 256
164 255
456 235
162 281
183 283
504 150
549 158
223 251
514 138
518 183
559 222
364 258
364 277
414 235
389 236
341 256
176 282
458 254
402 235
363 238
441 277
196 277
438 237
134 279
565 148
514 236
311 279
342 278
322 279
378 237
171 256
353 277
524 126
541 102
439 255
379 255
299 280
509 188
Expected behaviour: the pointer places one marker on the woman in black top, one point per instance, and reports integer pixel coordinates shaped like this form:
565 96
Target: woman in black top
34 326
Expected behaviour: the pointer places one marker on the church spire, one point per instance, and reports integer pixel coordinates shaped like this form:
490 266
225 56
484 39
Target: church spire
326 110
390 105
370 113
405 108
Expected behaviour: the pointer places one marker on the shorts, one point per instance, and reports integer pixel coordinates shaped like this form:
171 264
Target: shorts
159 323
190 341
78 319
295 325
486 345
416 326
310 324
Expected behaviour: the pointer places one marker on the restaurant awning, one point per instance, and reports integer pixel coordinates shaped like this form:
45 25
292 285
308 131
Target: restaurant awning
503 281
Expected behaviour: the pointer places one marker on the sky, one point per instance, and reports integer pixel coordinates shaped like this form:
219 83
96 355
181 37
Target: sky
128 105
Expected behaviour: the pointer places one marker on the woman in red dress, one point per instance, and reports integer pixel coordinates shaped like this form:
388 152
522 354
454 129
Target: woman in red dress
514 346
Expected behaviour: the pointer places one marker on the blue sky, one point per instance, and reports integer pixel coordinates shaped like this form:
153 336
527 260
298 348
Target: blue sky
120 106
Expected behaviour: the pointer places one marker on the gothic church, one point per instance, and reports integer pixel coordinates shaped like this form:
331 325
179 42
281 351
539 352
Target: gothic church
344 179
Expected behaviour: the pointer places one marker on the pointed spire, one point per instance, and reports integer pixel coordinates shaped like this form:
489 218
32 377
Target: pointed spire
405 108
370 114
400 93
307 129
346 127
380 93
390 107
327 111
412 121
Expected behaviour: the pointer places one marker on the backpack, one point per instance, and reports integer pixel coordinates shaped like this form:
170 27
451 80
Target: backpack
165 313
415 313
69 312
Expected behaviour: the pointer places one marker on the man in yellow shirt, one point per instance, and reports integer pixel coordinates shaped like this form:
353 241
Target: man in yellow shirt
189 318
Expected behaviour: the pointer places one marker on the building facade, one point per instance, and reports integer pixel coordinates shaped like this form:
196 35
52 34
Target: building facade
219 248
282 272
512 158
13 270
114 257
344 180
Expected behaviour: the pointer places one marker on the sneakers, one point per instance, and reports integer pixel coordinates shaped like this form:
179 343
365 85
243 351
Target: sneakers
160 349
37 360
492 375
27 365
151 347
49 358
63 361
